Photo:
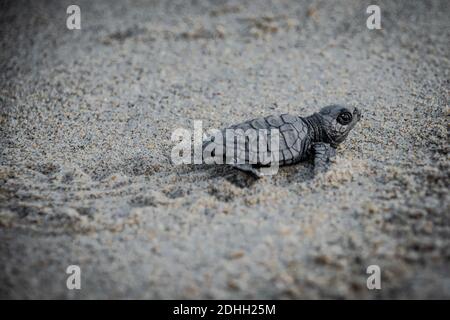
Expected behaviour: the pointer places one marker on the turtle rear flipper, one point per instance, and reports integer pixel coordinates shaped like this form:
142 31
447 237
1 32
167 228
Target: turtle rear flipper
249 168
257 172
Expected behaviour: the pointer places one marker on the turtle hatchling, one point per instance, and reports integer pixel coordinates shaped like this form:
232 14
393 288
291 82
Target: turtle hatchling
299 138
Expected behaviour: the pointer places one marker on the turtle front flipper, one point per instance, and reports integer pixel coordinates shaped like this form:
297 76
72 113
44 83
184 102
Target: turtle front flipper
323 154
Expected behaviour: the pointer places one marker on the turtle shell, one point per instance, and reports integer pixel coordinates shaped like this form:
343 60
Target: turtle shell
292 139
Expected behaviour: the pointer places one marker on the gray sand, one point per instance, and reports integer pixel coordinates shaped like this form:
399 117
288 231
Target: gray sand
85 177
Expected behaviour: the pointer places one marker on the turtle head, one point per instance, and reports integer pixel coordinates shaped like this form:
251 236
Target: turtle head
337 121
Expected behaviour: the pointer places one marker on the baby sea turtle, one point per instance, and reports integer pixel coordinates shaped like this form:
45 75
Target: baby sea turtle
300 138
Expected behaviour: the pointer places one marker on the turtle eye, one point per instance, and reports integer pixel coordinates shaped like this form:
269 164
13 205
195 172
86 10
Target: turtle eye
344 118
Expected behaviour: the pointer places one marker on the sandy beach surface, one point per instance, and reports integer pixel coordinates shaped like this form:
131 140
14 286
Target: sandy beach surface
86 178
